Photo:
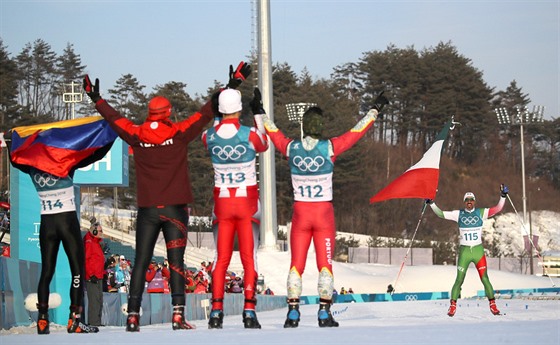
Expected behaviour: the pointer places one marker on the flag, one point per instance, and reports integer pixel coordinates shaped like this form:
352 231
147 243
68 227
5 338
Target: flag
420 180
58 147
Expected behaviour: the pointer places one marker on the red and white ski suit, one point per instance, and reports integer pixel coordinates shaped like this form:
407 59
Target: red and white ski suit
233 148
313 213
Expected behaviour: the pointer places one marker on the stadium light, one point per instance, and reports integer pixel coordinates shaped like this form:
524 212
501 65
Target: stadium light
522 117
72 96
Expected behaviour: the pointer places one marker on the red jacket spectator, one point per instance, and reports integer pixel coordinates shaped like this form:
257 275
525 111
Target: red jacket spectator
95 259
157 278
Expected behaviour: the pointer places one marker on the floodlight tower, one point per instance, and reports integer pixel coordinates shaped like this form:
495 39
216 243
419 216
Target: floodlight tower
522 117
73 96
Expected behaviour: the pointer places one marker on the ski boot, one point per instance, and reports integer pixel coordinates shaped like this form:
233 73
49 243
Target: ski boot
493 307
250 319
452 308
216 319
133 322
178 320
75 325
324 315
43 320
292 319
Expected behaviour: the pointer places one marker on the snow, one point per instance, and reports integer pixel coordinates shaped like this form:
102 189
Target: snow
525 320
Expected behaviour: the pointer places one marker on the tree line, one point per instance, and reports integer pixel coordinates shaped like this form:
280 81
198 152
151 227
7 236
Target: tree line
426 88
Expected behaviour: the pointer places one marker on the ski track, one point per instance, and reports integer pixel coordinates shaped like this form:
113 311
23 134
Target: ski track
418 322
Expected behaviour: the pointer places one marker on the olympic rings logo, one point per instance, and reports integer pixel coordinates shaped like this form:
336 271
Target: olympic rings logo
411 297
308 163
45 179
470 220
229 152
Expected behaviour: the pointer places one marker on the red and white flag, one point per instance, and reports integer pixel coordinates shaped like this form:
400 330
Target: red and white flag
420 180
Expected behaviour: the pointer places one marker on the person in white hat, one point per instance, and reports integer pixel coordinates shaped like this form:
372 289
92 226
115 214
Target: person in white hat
233 149
470 220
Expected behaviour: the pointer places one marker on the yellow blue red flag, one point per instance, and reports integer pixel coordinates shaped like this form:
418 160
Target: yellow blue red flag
59 147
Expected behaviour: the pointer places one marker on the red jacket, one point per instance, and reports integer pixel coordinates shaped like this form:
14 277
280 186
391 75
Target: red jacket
160 154
95 259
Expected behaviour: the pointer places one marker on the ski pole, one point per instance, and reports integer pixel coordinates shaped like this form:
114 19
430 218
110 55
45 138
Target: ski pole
531 241
409 247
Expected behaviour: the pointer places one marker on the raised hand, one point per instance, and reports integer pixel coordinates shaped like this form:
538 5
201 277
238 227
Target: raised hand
237 76
92 90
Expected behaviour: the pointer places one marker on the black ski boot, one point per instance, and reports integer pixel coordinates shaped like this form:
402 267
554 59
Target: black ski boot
216 319
43 320
75 325
133 322
292 319
324 315
178 320
250 319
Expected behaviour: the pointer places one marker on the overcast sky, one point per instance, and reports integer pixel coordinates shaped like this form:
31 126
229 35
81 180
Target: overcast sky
195 41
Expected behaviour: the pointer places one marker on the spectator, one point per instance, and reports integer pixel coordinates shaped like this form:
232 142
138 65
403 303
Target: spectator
390 288
190 285
109 281
122 274
236 285
157 277
350 291
268 291
342 291
94 269
201 283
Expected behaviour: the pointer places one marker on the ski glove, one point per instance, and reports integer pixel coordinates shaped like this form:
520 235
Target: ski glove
380 102
504 190
92 90
429 201
236 77
256 103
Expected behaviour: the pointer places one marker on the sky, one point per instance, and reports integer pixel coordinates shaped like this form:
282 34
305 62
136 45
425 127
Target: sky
195 41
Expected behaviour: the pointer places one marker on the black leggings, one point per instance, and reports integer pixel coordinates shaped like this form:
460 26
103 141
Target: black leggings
172 220
65 228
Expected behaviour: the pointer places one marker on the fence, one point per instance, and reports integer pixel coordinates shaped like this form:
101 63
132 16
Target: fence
390 256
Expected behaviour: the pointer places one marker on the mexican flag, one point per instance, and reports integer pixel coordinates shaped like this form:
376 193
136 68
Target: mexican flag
420 180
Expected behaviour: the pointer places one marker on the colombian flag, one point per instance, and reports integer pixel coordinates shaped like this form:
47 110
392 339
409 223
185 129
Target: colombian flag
58 147
420 180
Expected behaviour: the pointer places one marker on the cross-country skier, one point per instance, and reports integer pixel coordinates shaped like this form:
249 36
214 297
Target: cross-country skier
470 221
59 220
311 162
233 149
163 187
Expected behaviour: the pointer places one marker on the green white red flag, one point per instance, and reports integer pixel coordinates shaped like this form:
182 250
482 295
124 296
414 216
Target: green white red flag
420 180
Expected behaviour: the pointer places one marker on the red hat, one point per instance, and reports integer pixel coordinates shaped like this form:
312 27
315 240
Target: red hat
159 108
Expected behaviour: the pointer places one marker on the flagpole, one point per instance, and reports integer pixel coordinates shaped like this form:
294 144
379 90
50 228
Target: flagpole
409 247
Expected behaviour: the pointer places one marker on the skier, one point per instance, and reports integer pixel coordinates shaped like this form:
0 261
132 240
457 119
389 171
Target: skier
163 187
470 221
311 162
59 220
233 148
